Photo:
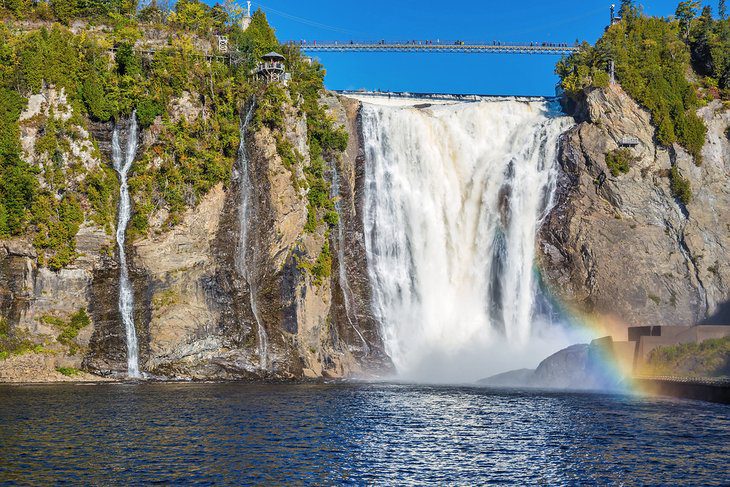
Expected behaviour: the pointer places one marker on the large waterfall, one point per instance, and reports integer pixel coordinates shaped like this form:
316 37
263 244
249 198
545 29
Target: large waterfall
454 196
122 163
244 215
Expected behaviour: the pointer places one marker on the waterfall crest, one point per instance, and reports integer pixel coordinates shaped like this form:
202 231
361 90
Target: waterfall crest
453 199
244 215
122 163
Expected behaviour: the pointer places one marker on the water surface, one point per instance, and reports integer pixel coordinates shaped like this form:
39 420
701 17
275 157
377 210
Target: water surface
354 433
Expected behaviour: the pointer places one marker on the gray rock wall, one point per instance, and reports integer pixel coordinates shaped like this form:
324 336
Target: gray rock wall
630 250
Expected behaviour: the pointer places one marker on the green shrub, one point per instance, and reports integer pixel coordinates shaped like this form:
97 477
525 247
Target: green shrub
289 156
15 342
78 321
322 268
269 108
331 218
57 224
680 186
128 61
619 161
101 187
98 96
68 371
70 329
147 110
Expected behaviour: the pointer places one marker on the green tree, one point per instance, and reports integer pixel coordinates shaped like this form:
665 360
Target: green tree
722 9
259 38
651 65
64 10
686 12
192 15
628 10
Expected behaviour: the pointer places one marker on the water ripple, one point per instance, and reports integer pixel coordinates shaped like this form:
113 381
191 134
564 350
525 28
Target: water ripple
392 434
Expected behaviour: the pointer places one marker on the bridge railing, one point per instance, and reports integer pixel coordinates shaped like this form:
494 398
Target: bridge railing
710 381
431 42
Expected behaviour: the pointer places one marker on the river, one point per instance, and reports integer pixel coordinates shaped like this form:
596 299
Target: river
354 433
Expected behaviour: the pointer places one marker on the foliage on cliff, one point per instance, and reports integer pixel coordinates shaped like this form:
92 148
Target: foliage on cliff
619 161
652 61
189 105
15 342
711 358
326 141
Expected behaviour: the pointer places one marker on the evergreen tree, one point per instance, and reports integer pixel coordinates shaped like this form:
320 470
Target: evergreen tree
686 12
628 10
721 9
64 10
259 38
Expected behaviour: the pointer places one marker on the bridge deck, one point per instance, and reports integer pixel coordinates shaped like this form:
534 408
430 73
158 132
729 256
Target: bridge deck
554 49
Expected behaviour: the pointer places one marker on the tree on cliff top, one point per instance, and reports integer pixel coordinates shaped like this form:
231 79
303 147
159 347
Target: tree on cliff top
651 61
259 38
686 12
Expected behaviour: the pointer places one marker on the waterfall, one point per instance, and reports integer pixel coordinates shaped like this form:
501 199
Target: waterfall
122 163
244 215
343 282
453 198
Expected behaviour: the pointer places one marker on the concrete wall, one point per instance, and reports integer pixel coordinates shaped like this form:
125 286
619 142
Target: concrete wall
644 339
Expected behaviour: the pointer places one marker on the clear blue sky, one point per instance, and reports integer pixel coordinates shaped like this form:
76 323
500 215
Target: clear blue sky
519 21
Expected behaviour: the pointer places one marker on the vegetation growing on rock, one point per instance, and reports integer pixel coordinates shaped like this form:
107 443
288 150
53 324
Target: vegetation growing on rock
15 342
680 186
68 371
191 107
652 57
706 359
619 161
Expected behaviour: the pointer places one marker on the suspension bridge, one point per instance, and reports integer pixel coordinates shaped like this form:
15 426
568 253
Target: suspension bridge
494 47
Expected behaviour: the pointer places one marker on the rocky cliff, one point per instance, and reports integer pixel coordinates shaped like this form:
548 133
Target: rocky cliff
629 248
209 305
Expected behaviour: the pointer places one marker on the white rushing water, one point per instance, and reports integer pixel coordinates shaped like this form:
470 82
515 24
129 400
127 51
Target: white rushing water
244 216
122 161
453 198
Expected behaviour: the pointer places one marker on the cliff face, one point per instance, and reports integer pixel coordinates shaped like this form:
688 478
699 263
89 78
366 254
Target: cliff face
630 249
207 307
211 306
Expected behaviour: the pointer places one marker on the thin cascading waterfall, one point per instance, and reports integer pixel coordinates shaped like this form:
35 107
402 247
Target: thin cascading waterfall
122 161
244 216
343 281
453 198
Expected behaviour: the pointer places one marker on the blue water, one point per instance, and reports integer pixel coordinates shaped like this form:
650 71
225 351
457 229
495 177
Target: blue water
271 434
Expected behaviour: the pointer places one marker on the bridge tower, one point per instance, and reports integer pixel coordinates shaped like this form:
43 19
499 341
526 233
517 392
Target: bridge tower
246 19
614 18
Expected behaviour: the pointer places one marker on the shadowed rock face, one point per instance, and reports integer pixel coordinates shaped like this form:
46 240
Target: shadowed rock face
202 321
630 249
360 324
